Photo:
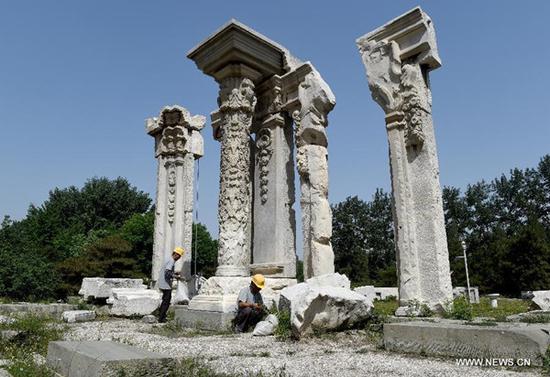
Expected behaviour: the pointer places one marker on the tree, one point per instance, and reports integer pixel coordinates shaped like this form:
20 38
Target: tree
363 240
207 250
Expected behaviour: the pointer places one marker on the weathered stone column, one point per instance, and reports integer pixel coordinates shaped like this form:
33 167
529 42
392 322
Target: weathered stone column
237 101
316 101
178 143
398 57
274 247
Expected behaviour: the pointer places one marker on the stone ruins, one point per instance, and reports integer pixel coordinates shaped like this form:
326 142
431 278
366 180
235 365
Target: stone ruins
271 119
178 143
271 105
398 58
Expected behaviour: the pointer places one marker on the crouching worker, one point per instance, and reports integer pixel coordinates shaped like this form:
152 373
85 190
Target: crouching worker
166 276
250 305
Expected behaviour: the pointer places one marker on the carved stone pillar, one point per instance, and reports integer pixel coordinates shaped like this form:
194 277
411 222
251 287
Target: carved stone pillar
274 251
316 101
178 143
398 57
237 101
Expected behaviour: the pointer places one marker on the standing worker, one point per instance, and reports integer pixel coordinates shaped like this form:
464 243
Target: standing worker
250 304
165 282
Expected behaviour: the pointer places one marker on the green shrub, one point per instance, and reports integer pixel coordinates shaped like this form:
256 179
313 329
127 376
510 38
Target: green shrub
460 308
283 331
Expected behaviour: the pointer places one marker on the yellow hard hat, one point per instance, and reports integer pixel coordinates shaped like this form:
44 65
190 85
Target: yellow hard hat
179 250
259 281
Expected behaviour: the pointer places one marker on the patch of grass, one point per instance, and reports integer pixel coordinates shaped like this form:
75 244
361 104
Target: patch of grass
506 307
460 308
25 366
546 362
385 308
481 323
283 331
193 368
35 332
536 318
173 329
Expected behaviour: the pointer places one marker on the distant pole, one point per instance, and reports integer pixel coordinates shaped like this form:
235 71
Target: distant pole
466 267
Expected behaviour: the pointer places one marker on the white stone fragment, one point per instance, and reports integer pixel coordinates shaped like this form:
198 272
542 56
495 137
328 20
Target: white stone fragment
323 307
129 302
102 287
329 280
72 316
542 299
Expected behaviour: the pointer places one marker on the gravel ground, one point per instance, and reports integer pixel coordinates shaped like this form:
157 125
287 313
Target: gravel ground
344 354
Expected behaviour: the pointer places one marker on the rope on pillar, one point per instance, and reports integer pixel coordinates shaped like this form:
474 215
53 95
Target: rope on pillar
196 221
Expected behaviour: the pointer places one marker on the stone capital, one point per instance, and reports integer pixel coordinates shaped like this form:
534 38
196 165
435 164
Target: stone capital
176 132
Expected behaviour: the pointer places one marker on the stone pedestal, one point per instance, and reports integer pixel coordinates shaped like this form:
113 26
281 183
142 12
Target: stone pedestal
178 143
398 57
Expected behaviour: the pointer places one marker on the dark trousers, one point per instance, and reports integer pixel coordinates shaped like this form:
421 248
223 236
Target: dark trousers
247 318
166 297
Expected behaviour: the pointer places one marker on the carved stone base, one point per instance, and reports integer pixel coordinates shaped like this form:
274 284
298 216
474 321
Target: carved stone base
203 319
232 271
219 293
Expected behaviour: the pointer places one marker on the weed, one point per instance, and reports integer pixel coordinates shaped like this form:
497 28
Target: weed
460 308
283 331
536 318
35 332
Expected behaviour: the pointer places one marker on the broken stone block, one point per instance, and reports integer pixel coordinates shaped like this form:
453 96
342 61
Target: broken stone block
149 319
323 308
72 316
98 288
329 280
106 359
128 302
542 299
456 339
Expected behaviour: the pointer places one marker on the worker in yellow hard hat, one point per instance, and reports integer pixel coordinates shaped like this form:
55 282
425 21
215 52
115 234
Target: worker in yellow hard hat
250 305
166 276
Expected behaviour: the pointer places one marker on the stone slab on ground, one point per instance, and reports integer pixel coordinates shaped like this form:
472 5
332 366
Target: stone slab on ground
54 310
203 319
105 359
128 302
96 288
72 316
4 373
456 339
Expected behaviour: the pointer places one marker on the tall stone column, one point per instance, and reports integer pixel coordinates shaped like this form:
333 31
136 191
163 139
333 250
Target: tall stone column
398 57
178 143
316 101
274 251
237 101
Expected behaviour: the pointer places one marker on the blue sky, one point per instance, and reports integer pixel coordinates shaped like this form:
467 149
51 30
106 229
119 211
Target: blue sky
78 78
